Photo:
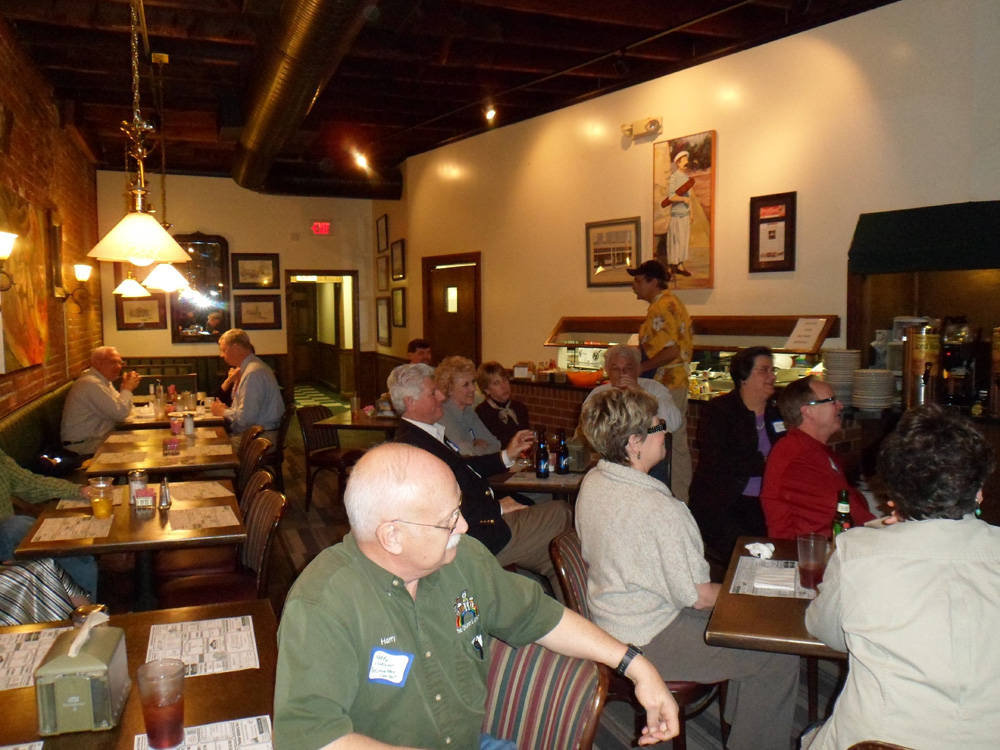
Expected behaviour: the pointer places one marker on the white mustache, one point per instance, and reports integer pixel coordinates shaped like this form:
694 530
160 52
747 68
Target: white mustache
453 541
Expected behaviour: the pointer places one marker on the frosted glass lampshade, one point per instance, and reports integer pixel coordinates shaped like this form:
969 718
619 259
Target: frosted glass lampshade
139 239
82 271
6 244
166 278
131 288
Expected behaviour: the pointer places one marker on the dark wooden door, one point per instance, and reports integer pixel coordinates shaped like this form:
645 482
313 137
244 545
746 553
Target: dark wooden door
302 325
452 305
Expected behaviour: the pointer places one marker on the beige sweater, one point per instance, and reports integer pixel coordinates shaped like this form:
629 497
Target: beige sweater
643 549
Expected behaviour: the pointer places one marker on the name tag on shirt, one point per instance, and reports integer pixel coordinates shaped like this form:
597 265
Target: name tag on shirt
389 667
778 426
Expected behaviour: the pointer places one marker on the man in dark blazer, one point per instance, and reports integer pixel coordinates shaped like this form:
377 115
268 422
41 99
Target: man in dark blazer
517 534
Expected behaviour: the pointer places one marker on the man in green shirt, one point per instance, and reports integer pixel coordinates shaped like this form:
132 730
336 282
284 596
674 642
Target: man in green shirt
34 488
385 638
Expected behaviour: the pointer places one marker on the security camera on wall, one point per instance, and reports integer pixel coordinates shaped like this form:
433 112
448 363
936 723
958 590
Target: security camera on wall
646 127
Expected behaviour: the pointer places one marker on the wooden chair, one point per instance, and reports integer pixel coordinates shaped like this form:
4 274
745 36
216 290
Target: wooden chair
323 451
197 561
251 461
692 697
276 457
249 581
251 433
542 700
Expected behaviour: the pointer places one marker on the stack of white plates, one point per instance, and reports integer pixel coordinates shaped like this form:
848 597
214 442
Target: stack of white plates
873 389
838 370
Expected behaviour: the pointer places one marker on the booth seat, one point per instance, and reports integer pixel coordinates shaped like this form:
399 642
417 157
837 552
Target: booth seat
33 429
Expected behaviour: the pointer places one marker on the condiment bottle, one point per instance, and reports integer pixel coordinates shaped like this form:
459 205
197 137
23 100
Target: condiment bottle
164 494
842 520
137 480
541 455
562 454
189 425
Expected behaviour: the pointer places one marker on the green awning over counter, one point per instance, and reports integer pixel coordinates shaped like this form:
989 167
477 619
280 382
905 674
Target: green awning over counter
955 237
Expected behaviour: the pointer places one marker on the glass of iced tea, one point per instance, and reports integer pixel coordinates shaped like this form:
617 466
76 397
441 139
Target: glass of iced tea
161 691
813 551
101 498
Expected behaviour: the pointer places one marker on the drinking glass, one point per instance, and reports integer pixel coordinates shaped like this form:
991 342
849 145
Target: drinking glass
813 551
101 499
161 691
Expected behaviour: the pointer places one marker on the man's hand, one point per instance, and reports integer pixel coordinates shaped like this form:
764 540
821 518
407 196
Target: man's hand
652 693
232 379
520 442
218 408
627 381
509 505
479 443
130 381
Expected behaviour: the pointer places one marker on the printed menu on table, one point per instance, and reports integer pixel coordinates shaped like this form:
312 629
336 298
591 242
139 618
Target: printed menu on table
212 517
73 527
206 646
752 572
253 733
21 653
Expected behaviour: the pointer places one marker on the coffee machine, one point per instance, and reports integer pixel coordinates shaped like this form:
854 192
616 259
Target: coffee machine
965 364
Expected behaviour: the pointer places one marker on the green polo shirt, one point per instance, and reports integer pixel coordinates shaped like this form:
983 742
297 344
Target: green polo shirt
357 654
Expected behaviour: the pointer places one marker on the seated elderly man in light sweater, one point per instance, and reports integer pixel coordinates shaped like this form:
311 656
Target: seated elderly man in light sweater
621 365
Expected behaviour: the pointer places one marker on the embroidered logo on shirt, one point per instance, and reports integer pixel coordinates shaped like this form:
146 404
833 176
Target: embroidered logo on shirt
466 613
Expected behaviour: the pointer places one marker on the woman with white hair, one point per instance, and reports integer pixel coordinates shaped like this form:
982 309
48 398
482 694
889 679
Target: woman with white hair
455 378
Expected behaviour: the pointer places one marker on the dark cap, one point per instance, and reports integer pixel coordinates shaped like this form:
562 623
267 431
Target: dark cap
651 269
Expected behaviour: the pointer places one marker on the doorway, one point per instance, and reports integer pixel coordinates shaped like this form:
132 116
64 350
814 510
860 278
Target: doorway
453 305
323 329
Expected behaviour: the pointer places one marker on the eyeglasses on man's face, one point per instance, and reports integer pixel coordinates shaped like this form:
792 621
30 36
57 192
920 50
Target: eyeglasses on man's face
821 401
660 426
455 518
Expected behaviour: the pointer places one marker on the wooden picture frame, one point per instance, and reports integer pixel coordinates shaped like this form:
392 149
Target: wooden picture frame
398 264
257 312
256 270
55 243
382 232
399 307
382 273
141 313
383 320
772 232
613 247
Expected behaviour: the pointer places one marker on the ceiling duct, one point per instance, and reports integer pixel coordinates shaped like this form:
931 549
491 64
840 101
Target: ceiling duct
311 39
295 178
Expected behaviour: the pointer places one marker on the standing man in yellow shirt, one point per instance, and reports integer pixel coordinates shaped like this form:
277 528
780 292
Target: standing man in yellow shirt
665 340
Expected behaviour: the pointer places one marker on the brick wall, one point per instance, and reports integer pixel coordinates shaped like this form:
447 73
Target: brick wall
44 166
554 405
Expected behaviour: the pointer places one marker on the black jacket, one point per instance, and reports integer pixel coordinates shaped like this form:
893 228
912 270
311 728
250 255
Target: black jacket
480 508
728 454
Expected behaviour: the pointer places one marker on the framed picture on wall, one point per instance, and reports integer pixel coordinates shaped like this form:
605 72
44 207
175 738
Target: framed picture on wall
613 247
772 233
399 308
256 271
55 254
382 321
382 272
257 311
382 232
141 313
399 260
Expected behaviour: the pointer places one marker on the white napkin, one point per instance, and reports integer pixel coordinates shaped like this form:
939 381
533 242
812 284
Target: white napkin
775 578
763 550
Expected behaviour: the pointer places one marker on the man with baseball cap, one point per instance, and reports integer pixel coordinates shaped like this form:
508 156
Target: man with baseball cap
666 343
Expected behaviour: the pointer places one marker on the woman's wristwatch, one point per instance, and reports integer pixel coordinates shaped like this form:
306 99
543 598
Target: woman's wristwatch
630 653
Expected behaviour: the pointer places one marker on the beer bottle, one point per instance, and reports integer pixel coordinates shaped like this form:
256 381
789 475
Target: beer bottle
541 454
562 454
842 520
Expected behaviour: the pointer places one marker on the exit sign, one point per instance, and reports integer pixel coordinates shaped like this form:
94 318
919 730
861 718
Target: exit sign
321 227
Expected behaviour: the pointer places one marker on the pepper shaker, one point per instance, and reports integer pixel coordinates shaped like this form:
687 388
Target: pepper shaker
164 494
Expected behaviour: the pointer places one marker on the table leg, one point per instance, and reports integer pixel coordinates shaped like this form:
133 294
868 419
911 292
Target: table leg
145 588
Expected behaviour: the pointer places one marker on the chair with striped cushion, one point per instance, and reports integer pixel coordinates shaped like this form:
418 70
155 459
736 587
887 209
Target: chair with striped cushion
322 450
692 697
541 700
250 580
250 434
251 461
276 457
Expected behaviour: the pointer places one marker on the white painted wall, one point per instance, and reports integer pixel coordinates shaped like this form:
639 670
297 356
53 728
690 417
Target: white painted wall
251 223
894 108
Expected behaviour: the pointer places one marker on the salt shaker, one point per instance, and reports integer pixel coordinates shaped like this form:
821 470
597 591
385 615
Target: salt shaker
189 425
164 494
137 479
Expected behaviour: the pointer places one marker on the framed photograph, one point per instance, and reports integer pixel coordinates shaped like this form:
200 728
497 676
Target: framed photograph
55 254
613 247
141 313
399 308
399 260
382 272
684 209
256 271
382 321
382 232
257 311
772 233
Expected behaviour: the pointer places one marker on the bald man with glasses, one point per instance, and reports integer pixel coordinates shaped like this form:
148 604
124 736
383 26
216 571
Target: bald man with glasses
803 477
94 406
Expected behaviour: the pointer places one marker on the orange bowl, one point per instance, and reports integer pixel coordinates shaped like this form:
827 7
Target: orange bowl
585 379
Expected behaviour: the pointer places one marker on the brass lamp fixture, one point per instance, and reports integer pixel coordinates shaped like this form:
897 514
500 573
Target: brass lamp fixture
81 294
6 248
138 238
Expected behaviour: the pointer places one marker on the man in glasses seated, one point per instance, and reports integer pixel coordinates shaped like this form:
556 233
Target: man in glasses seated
516 533
94 406
621 365
803 477
386 638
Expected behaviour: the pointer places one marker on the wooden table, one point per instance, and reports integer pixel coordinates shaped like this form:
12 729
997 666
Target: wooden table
350 420
150 444
149 422
141 532
763 623
560 486
207 698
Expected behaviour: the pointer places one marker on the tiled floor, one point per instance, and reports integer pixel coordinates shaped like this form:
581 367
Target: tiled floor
313 393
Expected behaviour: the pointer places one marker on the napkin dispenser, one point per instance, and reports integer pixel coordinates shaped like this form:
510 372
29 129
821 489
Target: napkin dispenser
85 691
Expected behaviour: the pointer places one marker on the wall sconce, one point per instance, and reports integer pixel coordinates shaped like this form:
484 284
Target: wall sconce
6 248
81 294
